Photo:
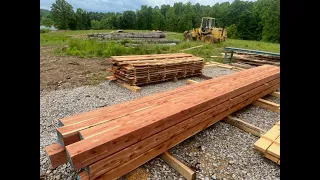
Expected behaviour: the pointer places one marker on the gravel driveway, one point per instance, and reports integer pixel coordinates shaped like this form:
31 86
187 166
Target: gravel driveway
219 152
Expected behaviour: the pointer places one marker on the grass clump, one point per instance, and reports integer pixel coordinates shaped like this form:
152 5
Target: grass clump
44 30
94 48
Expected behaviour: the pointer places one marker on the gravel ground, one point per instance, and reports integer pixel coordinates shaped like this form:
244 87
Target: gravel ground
272 99
260 117
220 143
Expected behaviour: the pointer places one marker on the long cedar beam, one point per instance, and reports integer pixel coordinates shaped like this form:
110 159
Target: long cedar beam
65 160
86 152
58 161
134 150
210 92
68 134
82 116
143 158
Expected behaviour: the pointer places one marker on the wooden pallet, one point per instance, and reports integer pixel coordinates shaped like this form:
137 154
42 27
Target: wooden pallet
269 144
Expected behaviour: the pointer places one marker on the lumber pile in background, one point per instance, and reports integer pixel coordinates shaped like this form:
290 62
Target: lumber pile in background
269 144
145 69
153 40
256 59
111 141
128 35
135 38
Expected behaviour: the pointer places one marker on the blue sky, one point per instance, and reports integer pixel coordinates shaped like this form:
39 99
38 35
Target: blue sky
122 5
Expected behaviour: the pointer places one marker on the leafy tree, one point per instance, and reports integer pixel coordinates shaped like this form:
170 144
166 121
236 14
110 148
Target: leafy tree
270 19
171 21
186 18
120 23
95 25
46 22
246 26
254 20
95 16
144 17
232 31
164 8
62 14
44 13
129 20
157 20
110 22
82 19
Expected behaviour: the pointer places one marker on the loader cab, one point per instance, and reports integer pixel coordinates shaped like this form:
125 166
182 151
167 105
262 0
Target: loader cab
207 23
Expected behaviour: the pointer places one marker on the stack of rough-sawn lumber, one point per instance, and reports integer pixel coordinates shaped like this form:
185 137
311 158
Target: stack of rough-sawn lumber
145 69
111 141
256 59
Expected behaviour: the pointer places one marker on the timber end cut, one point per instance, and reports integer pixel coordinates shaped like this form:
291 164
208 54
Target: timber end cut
109 142
136 70
57 155
269 144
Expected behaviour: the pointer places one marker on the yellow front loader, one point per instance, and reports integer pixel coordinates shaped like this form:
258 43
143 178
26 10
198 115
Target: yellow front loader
207 32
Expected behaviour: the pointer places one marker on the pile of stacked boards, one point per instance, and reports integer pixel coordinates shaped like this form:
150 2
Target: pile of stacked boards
134 38
111 141
256 59
123 35
145 69
269 144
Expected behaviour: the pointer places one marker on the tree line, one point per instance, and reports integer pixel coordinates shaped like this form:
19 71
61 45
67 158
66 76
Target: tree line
259 20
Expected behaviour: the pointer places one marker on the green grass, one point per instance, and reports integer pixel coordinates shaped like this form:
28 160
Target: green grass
82 47
44 30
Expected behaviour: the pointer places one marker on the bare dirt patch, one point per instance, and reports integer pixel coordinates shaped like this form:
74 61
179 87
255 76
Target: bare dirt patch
60 72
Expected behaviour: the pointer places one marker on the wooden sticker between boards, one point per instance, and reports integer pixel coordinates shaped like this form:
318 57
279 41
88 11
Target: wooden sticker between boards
181 168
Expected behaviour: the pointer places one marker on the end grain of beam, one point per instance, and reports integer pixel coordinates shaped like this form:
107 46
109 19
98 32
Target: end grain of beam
57 155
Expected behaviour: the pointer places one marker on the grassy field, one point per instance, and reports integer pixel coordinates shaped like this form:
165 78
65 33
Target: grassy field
80 46
84 62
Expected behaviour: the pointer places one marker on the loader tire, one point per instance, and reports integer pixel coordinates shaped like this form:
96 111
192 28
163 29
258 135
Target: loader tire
188 37
208 39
